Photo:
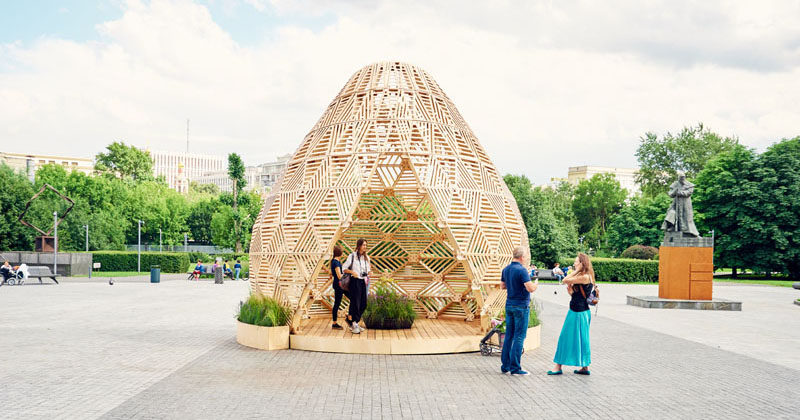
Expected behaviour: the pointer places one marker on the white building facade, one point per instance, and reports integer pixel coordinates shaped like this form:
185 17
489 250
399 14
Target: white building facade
258 178
181 168
625 176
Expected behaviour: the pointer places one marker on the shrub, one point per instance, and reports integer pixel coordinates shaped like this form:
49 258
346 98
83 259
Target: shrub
201 256
640 252
263 311
170 262
623 269
388 310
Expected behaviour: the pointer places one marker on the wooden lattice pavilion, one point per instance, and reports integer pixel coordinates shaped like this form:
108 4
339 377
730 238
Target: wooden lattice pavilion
391 160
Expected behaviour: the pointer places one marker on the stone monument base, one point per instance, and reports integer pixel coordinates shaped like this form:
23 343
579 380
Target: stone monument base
685 267
653 302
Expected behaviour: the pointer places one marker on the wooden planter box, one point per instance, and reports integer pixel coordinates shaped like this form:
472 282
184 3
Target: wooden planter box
533 339
264 338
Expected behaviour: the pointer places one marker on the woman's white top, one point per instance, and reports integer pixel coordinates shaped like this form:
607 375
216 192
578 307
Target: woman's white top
358 265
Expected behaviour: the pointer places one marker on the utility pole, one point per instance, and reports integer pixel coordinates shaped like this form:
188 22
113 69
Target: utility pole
139 252
55 242
86 226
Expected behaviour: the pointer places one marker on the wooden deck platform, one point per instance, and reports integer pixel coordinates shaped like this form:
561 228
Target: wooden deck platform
427 336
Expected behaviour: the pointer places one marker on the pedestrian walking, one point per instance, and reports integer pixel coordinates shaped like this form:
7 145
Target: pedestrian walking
517 280
358 266
237 268
573 344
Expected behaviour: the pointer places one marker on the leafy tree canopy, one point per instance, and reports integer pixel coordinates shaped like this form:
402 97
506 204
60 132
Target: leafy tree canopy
552 229
125 161
638 223
596 200
661 158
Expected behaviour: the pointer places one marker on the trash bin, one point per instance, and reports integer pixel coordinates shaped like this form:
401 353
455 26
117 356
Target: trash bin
155 274
218 275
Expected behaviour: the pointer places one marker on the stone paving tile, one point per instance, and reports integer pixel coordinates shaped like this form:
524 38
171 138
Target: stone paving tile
168 351
637 373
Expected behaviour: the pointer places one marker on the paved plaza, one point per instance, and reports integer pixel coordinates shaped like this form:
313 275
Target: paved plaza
137 350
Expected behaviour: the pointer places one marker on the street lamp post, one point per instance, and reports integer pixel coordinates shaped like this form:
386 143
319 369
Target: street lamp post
185 242
160 249
139 252
86 226
55 243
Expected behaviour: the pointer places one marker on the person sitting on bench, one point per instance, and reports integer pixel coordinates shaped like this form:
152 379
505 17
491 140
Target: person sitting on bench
198 269
7 271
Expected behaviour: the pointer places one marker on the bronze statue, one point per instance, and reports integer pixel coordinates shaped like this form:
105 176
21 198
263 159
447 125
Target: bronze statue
680 217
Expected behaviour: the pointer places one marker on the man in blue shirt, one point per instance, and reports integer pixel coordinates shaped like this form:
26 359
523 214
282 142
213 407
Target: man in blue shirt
516 279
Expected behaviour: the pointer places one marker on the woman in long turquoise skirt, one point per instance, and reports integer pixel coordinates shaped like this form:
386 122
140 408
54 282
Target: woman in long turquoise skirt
573 343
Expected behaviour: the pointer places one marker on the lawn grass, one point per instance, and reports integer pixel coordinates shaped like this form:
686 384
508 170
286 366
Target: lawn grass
779 283
604 282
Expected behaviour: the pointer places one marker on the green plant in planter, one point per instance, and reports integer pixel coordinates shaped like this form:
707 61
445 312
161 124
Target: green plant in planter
263 311
499 321
387 309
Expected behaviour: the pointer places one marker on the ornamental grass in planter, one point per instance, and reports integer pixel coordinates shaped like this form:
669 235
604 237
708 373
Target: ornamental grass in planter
263 323
263 311
387 309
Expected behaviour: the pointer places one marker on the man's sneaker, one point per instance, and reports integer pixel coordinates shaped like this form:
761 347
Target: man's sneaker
520 373
336 326
354 329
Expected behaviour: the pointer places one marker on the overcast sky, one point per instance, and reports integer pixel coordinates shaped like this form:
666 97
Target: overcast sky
544 84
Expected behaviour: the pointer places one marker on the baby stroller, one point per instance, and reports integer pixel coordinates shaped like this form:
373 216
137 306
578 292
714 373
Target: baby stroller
487 347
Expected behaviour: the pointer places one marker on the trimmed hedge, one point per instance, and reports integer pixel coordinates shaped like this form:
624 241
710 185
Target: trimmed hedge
622 269
170 262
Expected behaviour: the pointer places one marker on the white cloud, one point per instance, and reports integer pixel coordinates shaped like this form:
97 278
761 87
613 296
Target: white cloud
544 85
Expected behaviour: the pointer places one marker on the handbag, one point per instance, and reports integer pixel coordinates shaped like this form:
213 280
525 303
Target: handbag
344 282
593 298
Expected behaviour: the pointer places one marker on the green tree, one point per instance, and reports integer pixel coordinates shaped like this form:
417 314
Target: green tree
780 193
223 230
728 193
205 189
638 223
236 174
596 200
15 190
552 229
125 161
199 220
661 158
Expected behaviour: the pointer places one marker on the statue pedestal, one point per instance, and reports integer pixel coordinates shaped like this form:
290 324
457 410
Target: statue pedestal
45 244
685 267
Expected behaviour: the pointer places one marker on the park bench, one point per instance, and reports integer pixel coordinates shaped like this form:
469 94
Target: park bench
546 274
40 272
796 285
208 270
